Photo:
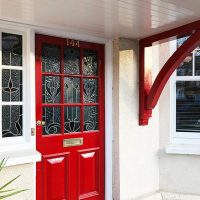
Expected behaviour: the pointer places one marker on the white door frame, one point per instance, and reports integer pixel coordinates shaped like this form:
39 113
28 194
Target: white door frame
108 95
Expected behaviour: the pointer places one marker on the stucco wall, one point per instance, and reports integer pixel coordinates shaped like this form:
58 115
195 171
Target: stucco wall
178 173
25 181
135 147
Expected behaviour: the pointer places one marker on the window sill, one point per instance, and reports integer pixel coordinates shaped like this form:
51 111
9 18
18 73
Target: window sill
183 149
18 157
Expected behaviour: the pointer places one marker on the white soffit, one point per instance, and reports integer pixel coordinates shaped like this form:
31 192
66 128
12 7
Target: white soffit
105 18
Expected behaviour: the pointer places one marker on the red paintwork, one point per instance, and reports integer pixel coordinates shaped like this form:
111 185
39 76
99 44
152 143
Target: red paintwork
148 94
70 173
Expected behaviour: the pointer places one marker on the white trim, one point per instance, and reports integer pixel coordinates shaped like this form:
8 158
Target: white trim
108 118
55 31
179 137
28 155
183 149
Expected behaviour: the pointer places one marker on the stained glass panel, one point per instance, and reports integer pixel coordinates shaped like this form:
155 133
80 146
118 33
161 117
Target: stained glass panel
51 89
12 123
72 119
90 118
11 85
90 64
90 89
50 58
11 49
72 90
51 116
71 61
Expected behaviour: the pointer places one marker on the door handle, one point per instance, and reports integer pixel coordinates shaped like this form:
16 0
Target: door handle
40 123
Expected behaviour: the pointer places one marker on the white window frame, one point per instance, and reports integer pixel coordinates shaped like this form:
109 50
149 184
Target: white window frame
181 138
21 149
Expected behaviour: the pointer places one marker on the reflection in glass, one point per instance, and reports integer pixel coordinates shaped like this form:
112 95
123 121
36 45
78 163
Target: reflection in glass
72 90
181 40
188 106
11 49
51 89
90 89
197 62
90 118
51 116
72 119
50 58
12 120
71 61
185 69
90 66
11 85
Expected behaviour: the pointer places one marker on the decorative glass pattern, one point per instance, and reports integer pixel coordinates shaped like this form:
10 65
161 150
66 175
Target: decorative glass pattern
90 64
12 123
11 85
50 58
71 61
90 118
188 106
72 90
51 116
51 89
11 49
90 90
72 119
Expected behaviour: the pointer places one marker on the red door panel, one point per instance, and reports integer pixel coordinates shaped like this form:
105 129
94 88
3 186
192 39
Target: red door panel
89 173
56 176
70 119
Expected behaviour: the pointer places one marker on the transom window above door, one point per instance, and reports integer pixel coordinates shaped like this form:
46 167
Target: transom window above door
70 92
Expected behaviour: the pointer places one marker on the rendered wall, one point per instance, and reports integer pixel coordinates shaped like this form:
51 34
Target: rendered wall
25 181
178 173
136 167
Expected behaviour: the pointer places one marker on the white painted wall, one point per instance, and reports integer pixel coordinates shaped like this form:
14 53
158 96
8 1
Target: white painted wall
25 181
178 173
135 165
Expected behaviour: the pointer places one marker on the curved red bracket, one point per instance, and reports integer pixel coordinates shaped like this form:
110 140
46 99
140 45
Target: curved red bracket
149 94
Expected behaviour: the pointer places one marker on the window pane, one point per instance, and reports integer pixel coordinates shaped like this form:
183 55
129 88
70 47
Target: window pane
185 69
71 61
72 90
51 117
11 49
197 62
90 90
72 119
12 120
90 118
11 85
90 63
188 106
181 40
50 58
51 89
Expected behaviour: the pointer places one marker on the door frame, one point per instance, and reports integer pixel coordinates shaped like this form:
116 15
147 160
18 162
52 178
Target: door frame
108 92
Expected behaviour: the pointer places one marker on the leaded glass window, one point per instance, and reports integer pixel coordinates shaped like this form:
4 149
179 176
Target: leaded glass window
70 92
11 84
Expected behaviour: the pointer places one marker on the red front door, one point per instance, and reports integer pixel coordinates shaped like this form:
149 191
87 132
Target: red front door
70 119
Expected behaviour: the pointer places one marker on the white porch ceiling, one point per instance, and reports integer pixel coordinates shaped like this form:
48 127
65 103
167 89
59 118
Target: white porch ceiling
105 18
